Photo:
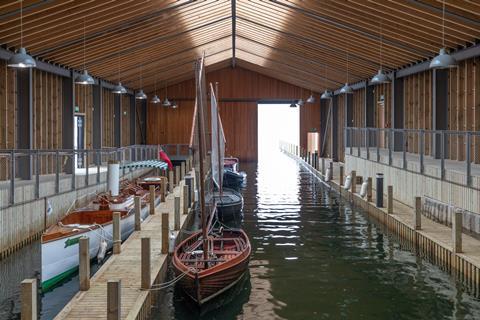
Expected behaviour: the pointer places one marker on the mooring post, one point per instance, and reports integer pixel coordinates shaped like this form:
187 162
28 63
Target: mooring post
152 200
84 263
176 216
177 175
170 181
341 175
369 189
28 299
323 166
164 189
331 170
114 303
146 263
138 212
457 223
354 181
185 200
117 242
390 199
417 222
165 232
182 170
189 185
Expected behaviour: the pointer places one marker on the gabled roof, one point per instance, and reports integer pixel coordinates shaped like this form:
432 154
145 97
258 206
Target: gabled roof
299 41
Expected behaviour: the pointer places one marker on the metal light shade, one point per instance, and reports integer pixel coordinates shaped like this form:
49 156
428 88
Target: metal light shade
380 78
140 95
119 89
300 103
311 99
21 60
166 102
443 61
346 89
174 105
84 78
293 105
155 99
326 95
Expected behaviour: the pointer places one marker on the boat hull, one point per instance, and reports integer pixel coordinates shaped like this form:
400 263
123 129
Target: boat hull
229 204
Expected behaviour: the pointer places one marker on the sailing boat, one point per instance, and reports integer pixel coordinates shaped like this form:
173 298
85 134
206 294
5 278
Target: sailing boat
229 201
212 260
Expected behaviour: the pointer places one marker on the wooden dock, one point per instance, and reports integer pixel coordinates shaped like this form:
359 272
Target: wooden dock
126 266
433 241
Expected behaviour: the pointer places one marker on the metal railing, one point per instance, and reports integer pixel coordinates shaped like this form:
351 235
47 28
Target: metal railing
435 153
28 175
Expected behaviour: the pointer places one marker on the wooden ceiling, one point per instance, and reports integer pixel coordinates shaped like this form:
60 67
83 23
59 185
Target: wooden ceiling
302 42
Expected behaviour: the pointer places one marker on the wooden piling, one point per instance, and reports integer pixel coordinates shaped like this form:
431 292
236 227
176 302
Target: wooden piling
117 242
165 233
341 175
164 190
177 175
457 223
28 299
369 189
186 205
354 181
182 170
176 215
146 264
323 166
390 199
138 211
417 219
170 181
152 200
114 302
84 263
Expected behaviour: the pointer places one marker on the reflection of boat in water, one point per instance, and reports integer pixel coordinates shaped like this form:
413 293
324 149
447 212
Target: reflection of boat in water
212 260
60 242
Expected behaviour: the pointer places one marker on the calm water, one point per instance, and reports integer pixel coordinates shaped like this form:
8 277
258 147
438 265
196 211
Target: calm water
313 258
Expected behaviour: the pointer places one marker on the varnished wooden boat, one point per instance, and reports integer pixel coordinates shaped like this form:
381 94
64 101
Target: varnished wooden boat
229 254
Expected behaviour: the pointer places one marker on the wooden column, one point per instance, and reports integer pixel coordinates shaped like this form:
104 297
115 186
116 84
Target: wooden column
182 170
398 112
370 112
170 181
334 129
145 264
177 175
439 109
138 213
390 199
97 123
165 232
84 263
186 197
68 116
114 302
341 176
369 189
354 181
28 299
117 120
417 218
25 123
133 121
457 224
117 242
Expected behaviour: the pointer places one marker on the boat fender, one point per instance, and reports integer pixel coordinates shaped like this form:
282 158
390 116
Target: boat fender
102 250
327 175
348 182
363 189
171 242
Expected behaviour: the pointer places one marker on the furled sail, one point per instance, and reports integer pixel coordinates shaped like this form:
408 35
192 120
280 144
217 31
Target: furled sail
218 140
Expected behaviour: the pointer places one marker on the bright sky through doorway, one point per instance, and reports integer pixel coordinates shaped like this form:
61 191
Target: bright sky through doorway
276 122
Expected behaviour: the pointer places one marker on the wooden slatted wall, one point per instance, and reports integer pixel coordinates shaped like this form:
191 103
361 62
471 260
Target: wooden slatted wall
108 99
358 102
47 116
125 123
382 101
8 121
84 101
341 127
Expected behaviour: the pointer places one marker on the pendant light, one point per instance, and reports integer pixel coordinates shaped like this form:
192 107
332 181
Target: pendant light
140 95
443 60
380 77
346 89
301 103
166 103
84 78
155 98
21 59
293 105
327 94
311 99
174 105
119 89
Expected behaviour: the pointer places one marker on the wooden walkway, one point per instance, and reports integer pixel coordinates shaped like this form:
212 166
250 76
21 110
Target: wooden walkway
433 241
126 266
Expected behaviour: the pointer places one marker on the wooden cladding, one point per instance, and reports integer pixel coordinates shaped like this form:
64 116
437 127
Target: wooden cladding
108 116
8 114
125 123
244 87
84 102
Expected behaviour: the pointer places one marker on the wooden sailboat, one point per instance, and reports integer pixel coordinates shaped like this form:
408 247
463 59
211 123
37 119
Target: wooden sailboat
212 260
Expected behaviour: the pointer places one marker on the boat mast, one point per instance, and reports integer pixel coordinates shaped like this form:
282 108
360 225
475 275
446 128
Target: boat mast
201 148
220 165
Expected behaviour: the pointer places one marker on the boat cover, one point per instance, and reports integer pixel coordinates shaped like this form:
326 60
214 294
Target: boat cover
146 164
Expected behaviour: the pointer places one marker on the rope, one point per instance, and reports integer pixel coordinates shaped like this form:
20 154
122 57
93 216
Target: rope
164 285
